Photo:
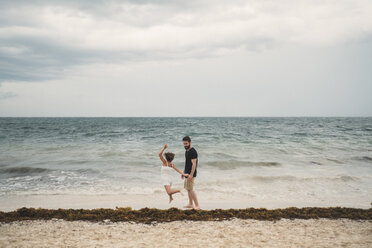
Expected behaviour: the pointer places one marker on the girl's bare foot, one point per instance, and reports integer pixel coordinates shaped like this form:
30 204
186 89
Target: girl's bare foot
170 199
188 206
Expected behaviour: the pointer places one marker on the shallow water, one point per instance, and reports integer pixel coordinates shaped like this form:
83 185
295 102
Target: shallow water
320 161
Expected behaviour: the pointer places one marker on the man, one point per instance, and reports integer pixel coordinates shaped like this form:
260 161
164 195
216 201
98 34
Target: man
191 163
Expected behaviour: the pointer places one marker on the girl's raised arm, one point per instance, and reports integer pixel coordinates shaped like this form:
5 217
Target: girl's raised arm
161 154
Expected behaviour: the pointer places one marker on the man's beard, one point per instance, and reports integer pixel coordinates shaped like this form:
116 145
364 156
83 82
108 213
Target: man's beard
187 147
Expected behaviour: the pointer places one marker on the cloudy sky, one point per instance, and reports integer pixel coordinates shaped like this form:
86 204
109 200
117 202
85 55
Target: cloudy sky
186 58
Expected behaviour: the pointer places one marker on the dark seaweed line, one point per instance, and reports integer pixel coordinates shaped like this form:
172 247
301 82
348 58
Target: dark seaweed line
153 215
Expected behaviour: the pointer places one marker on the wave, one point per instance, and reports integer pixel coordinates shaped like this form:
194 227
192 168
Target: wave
88 170
335 160
300 134
273 178
87 192
363 158
289 178
222 154
36 170
240 181
232 164
113 153
315 162
23 170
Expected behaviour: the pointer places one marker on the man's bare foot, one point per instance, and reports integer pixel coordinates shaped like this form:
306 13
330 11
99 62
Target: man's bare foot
196 208
188 206
170 199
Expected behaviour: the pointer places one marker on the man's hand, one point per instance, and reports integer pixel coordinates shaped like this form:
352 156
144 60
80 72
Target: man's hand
189 178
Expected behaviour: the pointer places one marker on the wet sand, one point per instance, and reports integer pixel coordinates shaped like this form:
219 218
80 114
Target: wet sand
229 233
160 201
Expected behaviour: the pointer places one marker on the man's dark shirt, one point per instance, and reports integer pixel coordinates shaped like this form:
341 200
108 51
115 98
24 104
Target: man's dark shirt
191 154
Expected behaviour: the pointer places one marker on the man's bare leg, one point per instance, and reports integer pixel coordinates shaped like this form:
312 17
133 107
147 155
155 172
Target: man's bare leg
195 199
191 205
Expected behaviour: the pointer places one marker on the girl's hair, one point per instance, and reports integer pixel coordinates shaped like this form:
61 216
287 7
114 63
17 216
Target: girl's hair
169 156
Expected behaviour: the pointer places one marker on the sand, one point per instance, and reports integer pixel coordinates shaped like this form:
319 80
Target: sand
232 233
160 201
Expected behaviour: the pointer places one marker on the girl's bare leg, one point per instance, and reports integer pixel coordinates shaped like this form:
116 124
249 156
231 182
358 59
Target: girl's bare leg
170 192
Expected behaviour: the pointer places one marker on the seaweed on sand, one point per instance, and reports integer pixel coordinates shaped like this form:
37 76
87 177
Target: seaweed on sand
153 215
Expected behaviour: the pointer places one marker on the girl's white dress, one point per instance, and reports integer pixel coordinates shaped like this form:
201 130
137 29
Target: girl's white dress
166 175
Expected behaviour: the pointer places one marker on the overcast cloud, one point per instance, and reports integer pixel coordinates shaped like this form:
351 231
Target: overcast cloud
123 58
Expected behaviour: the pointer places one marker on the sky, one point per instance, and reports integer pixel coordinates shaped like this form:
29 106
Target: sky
185 58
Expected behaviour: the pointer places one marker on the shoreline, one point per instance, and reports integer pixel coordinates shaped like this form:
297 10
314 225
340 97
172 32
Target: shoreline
154 215
160 201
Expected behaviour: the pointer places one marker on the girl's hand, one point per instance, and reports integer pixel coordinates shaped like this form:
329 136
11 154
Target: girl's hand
165 146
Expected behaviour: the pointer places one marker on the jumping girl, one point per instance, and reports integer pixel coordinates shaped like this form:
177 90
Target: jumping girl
166 172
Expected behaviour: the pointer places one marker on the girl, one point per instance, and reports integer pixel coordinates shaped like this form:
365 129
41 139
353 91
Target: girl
166 172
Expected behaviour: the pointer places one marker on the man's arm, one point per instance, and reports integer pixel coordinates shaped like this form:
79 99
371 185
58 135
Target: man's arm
193 161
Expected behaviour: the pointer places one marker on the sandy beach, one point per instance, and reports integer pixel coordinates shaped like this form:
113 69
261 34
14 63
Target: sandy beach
160 201
232 233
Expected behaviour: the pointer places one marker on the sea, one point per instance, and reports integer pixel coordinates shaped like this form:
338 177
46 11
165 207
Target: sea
243 162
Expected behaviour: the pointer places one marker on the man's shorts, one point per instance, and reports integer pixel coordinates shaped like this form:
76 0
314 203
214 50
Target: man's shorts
189 184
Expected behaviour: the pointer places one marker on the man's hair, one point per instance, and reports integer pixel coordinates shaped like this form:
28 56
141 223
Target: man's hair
186 138
169 156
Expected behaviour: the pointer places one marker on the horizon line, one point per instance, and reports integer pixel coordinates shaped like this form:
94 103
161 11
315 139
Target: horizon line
198 116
